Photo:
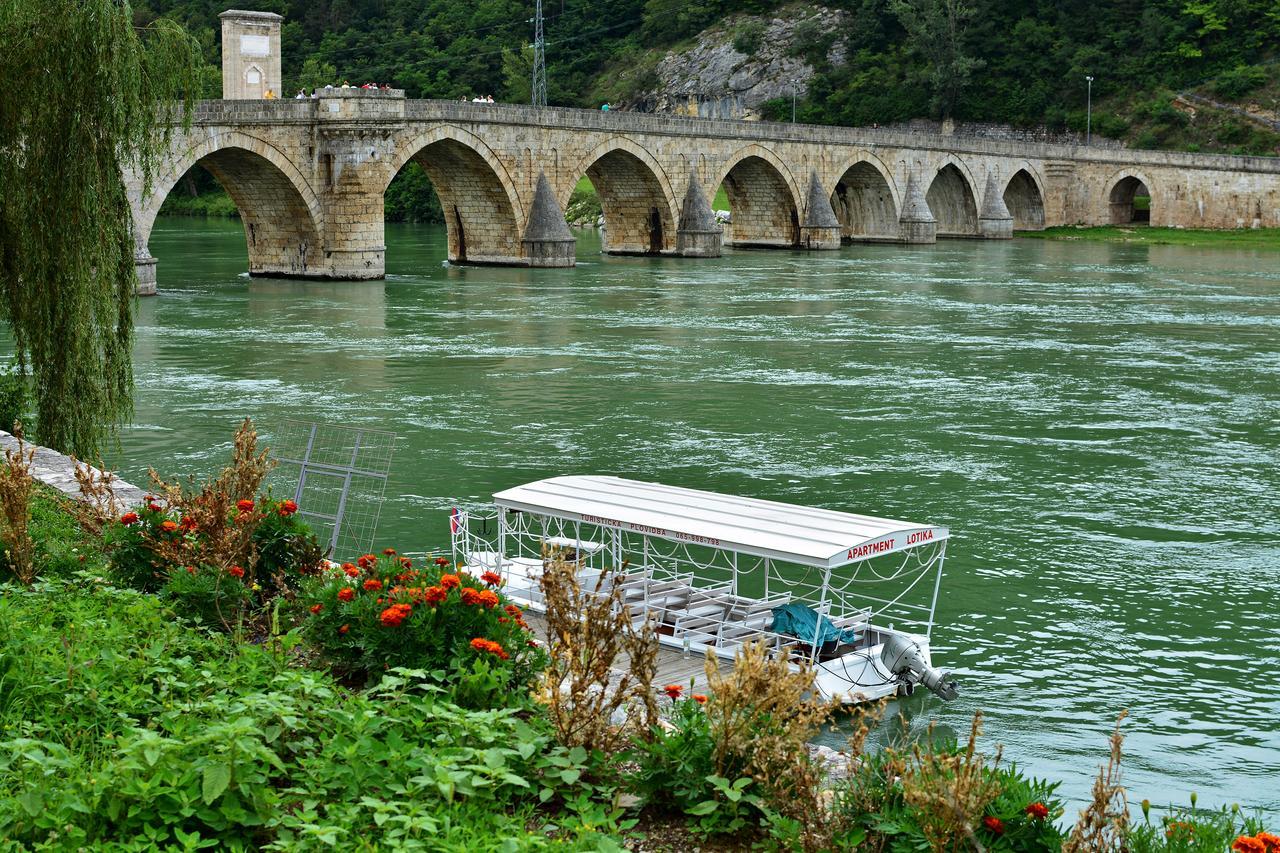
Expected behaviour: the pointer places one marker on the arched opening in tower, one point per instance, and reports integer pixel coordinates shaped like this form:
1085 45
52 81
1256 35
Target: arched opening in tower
1130 201
953 204
864 205
1026 204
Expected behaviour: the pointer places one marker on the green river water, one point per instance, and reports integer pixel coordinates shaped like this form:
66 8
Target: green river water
1098 425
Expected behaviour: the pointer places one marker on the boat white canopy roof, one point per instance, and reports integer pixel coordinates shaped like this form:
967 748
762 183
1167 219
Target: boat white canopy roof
797 534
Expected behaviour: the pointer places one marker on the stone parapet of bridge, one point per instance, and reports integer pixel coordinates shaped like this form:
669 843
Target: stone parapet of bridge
309 177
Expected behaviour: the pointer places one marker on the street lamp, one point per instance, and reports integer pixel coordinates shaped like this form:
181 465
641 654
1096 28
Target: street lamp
793 101
1088 114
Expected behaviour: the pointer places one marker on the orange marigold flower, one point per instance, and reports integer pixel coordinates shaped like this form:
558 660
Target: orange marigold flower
1245 844
502 620
442 561
406 562
287 508
367 561
470 596
236 572
346 594
700 698
245 505
129 518
435 594
673 690
1039 811
994 824
188 523
394 615
316 608
390 552
491 578
450 581
168 525
350 570
512 610
344 629
488 598
1270 841
372 585
482 645
154 507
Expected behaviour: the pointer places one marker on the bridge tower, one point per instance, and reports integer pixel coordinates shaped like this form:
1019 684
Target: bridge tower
250 54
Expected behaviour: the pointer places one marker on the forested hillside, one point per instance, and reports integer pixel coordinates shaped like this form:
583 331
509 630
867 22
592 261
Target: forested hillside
1020 62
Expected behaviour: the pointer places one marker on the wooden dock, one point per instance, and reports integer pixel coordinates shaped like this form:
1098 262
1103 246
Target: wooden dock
674 665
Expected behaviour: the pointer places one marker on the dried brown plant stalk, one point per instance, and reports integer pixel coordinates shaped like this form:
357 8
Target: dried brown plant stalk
16 486
602 665
762 715
1104 823
210 509
951 790
98 502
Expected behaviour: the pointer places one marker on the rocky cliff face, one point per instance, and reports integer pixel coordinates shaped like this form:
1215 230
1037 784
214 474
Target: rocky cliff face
742 62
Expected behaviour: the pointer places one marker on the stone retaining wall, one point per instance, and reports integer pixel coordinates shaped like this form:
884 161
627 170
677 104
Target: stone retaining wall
59 471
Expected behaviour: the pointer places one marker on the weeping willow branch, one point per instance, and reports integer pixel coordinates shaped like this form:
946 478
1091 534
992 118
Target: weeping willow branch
85 93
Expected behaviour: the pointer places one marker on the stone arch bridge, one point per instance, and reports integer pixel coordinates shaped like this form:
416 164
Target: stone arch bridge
309 175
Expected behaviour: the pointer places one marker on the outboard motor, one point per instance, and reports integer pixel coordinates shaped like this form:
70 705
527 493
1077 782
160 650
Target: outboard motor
903 657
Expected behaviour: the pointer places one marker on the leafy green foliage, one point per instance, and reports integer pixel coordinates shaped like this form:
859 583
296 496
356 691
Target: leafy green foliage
84 95
1191 830
14 396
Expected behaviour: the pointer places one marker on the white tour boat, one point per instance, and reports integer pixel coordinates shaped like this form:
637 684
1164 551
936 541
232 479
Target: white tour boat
849 593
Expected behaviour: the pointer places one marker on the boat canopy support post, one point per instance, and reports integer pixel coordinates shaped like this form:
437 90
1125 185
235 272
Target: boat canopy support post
823 606
500 558
937 584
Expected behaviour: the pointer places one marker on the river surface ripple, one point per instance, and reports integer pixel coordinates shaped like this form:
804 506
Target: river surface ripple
1098 424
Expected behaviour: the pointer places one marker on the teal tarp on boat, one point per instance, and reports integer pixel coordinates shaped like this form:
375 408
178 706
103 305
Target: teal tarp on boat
804 623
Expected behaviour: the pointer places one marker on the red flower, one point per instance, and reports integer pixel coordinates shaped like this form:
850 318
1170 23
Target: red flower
168 525
372 585
488 598
470 596
154 507
1270 841
406 562
390 552
450 581
435 594
350 570
512 611
129 518
188 523
1039 811
1245 844
368 561
442 561
394 615
287 508
244 505
491 578
346 594
316 608
673 690
344 629
482 645
700 698
994 824
236 572
191 570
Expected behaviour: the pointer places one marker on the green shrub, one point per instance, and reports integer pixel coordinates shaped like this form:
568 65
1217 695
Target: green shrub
284 549
384 613
14 397
1239 81
748 37
211 596
673 766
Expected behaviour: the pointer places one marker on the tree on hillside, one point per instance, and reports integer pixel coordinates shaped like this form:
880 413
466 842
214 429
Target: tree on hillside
935 31
84 94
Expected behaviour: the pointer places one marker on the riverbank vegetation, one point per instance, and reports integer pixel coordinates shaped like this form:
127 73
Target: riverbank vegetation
1241 238
186 673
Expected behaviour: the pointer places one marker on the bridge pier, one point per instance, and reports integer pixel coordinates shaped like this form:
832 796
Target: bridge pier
820 229
145 266
547 240
995 222
698 235
916 224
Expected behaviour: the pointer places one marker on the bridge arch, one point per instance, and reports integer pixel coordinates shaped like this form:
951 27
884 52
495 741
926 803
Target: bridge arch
283 219
764 198
865 200
953 199
1024 197
636 199
1121 190
483 215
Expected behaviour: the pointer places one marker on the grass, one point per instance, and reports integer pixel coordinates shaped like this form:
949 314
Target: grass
216 203
1254 238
